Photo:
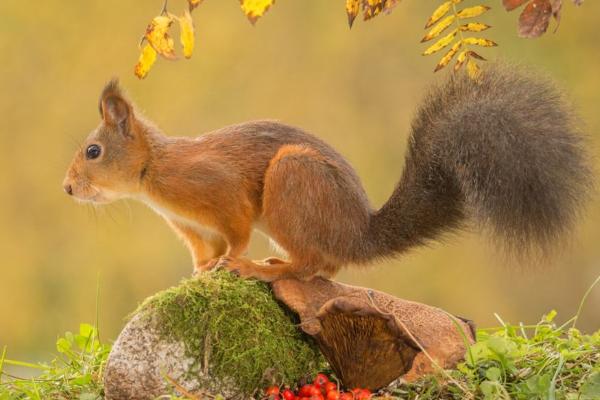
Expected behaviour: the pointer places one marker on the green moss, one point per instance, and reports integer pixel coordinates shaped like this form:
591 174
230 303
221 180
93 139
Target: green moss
249 337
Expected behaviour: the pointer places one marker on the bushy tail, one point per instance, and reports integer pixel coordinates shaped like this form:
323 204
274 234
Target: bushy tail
505 152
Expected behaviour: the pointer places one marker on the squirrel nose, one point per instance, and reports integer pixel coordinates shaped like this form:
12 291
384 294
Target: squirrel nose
68 189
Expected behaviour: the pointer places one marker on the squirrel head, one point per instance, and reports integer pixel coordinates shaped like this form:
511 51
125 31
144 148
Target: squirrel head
113 158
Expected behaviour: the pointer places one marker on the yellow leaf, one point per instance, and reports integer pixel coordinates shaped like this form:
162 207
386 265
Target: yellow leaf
186 33
389 5
194 3
159 38
448 56
440 44
371 8
440 12
479 42
474 27
439 28
145 62
352 9
460 60
472 11
464 56
473 69
254 9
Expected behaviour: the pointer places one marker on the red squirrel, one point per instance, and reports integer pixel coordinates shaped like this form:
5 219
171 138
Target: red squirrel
504 152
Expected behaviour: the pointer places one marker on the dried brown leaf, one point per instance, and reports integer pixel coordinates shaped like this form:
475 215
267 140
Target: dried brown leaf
535 18
510 5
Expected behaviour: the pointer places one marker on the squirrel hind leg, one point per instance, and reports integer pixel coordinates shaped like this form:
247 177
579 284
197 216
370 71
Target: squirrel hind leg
314 206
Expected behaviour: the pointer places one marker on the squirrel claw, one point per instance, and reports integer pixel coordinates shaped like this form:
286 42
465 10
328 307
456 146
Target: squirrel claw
238 267
211 265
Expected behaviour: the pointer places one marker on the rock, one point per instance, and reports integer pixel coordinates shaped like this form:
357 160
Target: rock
216 334
221 335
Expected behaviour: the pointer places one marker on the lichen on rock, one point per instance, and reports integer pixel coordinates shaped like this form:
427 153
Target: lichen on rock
227 335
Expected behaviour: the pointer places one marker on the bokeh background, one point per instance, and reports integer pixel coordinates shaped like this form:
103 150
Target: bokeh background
300 64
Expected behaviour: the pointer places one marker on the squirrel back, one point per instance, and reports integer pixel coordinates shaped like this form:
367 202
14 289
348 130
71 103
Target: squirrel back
504 152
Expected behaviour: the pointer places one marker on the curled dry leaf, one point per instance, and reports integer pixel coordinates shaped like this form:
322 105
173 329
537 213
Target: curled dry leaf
145 62
157 34
254 9
186 29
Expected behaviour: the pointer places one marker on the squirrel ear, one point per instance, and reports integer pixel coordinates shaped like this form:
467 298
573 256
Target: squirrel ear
114 107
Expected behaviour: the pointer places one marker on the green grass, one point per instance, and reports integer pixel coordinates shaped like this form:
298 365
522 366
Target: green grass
541 361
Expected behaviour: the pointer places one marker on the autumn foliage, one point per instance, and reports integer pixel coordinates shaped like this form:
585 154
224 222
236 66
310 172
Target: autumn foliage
449 17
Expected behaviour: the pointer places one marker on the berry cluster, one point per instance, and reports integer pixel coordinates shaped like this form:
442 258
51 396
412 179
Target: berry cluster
321 389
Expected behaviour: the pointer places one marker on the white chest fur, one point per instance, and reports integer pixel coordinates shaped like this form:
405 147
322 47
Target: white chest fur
178 219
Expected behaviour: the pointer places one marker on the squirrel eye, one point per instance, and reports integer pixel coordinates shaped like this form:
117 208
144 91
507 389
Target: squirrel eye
93 151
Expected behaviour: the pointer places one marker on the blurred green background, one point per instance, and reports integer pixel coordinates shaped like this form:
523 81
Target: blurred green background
300 64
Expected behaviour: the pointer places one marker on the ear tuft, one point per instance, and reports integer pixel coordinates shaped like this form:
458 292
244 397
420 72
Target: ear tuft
114 107
112 88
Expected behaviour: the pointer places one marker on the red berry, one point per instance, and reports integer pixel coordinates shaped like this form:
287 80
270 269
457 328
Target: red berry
333 395
288 394
346 396
363 394
316 397
329 386
315 391
272 390
305 391
320 380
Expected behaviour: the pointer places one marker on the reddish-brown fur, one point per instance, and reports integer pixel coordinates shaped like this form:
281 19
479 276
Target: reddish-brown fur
215 189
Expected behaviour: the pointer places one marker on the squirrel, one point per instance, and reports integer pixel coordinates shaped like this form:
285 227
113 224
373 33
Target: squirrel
504 151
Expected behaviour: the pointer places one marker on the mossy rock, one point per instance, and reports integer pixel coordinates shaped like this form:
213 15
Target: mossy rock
214 334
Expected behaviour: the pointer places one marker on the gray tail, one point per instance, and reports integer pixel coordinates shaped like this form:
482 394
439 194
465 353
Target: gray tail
505 152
